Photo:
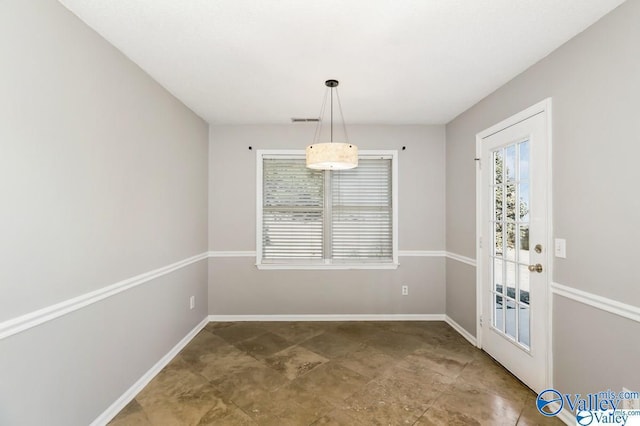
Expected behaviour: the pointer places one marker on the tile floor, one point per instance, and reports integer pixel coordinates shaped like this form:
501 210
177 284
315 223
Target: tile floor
332 373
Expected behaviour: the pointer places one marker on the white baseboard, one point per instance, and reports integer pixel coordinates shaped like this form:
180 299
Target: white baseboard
567 417
464 333
143 381
329 317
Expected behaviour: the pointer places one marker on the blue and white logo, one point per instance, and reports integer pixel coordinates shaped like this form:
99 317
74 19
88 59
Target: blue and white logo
601 408
549 396
584 418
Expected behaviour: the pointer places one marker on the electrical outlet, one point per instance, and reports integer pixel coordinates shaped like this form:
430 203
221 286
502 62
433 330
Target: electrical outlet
405 290
630 403
192 302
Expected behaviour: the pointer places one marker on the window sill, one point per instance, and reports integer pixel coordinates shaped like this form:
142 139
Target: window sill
345 266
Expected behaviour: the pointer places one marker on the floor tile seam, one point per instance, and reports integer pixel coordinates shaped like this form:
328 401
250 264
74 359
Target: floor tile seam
452 376
431 371
324 413
520 415
486 390
227 403
297 342
421 415
349 352
219 393
438 356
466 366
349 414
378 374
305 373
144 411
244 340
197 372
309 338
290 381
271 415
333 402
351 370
209 408
357 341
416 335
427 409
400 404
473 385
262 360
503 371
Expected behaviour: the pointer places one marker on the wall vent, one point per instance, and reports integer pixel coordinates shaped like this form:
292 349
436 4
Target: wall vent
304 120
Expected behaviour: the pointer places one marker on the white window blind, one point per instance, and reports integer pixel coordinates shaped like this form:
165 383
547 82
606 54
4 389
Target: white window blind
326 217
293 206
362 212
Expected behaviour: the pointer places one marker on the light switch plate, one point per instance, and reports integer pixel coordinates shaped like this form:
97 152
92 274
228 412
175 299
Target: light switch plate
561 248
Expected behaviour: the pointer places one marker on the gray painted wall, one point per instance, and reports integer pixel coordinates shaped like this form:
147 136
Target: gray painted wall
70 370
594 80
602 355
237 287
459 305
103 176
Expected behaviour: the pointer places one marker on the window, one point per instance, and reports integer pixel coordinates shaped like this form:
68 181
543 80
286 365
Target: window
326 219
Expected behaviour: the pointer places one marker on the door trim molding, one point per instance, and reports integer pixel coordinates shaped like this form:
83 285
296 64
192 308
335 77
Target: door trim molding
544 107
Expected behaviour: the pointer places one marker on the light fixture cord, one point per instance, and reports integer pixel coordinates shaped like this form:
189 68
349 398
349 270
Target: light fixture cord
332 114
344 124
316 136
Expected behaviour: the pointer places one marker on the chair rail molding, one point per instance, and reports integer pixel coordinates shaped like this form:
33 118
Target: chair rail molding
463 259
605 304
32 319
401 253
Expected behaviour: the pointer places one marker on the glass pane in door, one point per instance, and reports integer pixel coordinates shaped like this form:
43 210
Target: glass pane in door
510 233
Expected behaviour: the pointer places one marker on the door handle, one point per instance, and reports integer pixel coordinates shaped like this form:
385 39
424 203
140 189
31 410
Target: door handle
536 268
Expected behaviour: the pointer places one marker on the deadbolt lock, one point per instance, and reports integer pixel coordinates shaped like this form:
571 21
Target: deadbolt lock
536 268
538 248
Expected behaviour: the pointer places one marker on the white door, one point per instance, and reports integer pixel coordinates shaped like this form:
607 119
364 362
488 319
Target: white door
513 245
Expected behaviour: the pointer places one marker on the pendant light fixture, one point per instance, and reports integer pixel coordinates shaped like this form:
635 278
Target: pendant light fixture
331 155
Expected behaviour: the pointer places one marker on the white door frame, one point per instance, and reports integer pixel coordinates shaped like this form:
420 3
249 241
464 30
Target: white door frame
544 107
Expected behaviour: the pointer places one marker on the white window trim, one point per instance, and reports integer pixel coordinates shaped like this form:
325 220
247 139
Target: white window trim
262 154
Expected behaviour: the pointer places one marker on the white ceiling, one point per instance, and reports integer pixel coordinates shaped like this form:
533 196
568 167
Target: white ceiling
398 61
